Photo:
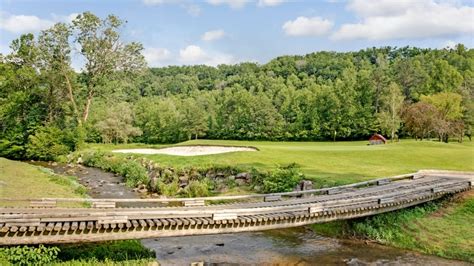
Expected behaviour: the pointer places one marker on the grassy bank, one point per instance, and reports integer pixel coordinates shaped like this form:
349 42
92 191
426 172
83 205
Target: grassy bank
442 228
20 180
330 162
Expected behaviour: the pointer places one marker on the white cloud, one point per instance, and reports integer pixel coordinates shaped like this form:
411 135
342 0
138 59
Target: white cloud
64 18
403 19
232 3
449 45
304 26
192 53
156 56
23 23
213 35
195 55
263 3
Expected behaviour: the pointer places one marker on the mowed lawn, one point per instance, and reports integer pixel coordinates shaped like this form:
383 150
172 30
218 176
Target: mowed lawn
19 180
341 162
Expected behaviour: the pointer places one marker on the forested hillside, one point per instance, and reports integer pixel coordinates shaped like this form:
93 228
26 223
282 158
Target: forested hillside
47 109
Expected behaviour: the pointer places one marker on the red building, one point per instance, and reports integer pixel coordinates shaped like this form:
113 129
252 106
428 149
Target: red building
377 139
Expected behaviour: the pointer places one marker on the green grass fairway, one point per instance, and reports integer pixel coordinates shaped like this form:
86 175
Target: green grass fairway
340 162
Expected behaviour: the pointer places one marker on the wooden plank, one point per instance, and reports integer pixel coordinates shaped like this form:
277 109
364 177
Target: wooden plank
103 204
112 220
90 225
383 182
82 226
333 191
142 223
50 227
223 215
272 198
58 226
150 222
315 209
385 200
194 203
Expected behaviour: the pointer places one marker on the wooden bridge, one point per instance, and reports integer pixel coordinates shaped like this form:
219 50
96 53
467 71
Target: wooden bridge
59 220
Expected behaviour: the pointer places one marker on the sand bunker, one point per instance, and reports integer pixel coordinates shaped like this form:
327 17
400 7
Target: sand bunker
187 150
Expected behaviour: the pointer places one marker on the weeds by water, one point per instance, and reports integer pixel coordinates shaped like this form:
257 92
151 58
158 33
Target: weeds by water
129 252
442 228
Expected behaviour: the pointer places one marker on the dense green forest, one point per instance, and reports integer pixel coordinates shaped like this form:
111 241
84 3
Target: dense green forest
48 109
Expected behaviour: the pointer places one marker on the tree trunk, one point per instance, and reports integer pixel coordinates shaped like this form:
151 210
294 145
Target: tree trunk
87 106
71 98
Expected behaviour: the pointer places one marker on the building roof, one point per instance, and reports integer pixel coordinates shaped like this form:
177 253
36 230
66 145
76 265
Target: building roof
378 137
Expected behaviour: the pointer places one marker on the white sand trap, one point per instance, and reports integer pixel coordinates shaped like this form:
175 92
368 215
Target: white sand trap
187 150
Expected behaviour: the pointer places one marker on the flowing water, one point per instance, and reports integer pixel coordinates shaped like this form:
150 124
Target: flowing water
295 246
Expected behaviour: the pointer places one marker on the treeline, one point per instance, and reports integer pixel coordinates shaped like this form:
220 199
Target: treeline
46 108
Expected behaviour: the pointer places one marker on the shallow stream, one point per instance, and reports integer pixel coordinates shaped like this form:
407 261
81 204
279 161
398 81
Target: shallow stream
296 246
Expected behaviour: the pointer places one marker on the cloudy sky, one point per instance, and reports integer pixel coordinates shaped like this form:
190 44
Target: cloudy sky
178 32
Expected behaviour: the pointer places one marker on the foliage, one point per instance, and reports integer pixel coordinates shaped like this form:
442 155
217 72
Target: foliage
133 172
389 116
440 228
198 188
283 179
46 144
25 255
116 125
114 251
318 96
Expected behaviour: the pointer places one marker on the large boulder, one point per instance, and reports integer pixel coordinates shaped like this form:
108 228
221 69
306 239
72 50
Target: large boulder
304 185
183 181
244 175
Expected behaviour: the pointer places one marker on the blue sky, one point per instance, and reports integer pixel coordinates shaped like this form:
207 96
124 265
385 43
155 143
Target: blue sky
177 32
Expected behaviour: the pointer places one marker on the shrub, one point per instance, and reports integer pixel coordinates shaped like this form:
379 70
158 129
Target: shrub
46 144
198 188
168 189
26 255
283 179
133 172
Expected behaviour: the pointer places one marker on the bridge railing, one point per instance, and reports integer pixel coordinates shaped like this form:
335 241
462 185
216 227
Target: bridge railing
201 201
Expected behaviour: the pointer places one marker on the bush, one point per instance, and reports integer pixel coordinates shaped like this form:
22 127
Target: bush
46 144
283 179
168 189
30 255
133 172
198 188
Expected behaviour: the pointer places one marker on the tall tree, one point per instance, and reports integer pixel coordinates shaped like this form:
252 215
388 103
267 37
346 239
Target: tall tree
389 116
55 53
104 52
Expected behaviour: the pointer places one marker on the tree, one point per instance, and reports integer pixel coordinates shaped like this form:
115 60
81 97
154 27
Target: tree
389 116
420 119
104 52
194 118
117 126
55 54
449 106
